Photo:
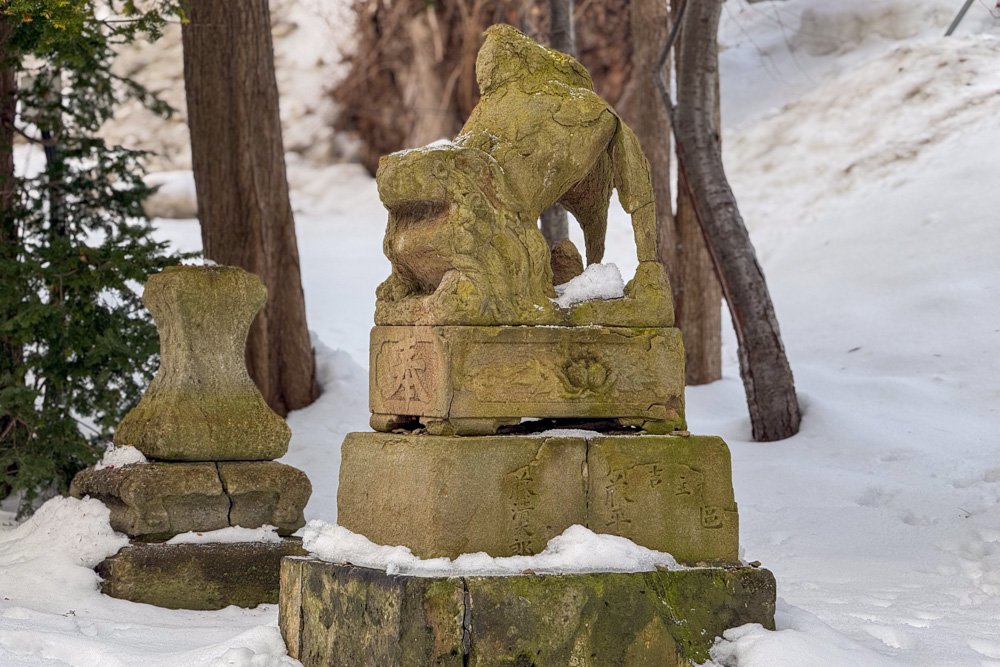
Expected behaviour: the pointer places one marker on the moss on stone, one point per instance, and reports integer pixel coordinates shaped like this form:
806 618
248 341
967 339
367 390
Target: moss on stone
662 618
197 576
202 404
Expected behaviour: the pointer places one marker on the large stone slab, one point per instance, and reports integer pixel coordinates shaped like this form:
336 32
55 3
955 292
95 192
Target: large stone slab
670 494
156 501
333 614
507 495
445 496
467 380
197 576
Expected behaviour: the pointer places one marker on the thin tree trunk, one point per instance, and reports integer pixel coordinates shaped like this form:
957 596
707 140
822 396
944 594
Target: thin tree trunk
424 90
697 292
239 170
10 350
767 376
650 24
555 220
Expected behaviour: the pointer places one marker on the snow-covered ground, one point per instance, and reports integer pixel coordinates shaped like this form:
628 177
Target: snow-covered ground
862 147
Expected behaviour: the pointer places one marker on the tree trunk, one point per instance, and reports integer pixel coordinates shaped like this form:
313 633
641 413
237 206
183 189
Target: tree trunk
697 292
648 118
10 350
424 90
767 376
239 171
555 220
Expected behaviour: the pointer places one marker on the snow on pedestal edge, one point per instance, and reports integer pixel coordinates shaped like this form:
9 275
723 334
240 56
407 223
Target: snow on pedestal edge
578 550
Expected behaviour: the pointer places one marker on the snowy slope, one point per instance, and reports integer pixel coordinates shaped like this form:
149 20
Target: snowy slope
865 171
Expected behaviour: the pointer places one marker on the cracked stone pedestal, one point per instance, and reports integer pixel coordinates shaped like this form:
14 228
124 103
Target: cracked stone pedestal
210 438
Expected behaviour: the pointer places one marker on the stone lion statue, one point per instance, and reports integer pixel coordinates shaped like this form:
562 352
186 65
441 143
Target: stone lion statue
463 236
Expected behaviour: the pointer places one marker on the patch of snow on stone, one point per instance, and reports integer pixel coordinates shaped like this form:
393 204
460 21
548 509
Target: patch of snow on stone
598 281
116 457
230 535
577 551
567 433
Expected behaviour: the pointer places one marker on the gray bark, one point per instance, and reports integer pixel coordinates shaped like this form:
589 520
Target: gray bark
767 376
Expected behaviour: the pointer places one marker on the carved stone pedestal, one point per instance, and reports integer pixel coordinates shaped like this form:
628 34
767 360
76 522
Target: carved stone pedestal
469 380
333 615
508 495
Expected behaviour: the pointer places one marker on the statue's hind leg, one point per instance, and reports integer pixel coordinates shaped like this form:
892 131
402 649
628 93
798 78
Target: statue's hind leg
588 201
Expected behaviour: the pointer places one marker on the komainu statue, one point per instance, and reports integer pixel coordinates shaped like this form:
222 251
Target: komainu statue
463 236
469 336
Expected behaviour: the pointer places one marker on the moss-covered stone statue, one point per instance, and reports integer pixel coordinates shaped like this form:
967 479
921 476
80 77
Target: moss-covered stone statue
463 237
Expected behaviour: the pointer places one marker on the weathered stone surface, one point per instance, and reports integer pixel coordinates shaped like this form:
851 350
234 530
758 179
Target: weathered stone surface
462 235
158 500
506 495
462 374
345 615
670 494
197 576
202 404
266 492
443 496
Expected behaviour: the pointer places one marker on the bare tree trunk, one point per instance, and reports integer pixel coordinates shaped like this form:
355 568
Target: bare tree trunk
555 220
697 292
767 376
424 90
650 23
239 169
10 350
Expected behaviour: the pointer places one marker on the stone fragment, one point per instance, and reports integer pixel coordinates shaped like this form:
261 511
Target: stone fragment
156 501
566 262
506 495
346 615
197 576
462 374
672 494
266 492
443 496
202 404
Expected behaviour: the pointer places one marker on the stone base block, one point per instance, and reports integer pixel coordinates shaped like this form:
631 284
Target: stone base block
332 615
471 380
197 576
158 500
507 495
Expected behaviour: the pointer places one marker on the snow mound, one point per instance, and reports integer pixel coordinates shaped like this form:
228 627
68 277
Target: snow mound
577 551
832 27
598 281
865 124
801 639
116 457
50 556
230 535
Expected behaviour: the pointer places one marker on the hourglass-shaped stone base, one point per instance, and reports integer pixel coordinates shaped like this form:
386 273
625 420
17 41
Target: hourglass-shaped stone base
202 404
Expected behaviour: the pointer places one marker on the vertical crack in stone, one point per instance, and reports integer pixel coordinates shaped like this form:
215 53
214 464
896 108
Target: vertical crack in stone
225 490
466 624
586 481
